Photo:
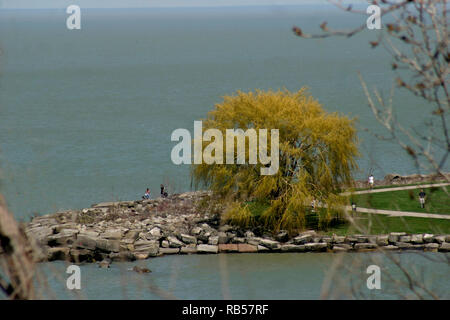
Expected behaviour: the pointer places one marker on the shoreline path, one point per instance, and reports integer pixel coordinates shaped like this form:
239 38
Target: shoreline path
393 213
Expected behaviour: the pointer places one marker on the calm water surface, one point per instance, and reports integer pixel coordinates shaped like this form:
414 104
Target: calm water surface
86 116
249 276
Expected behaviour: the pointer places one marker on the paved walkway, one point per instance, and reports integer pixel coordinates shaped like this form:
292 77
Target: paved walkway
393 213
397 188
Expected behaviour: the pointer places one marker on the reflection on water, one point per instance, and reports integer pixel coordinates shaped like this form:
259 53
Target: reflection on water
251 276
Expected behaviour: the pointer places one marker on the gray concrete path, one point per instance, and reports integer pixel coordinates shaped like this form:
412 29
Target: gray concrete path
397 188
393 213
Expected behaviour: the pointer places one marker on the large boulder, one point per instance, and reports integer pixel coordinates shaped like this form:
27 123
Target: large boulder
228 248
320 246
282 236
417 238
428 238
145 246
431 247
382 240
89 233
196 231
155 232
108 245
238 240
122 256
169 250
213 240
365 246
302 239
326 239
394 236
164 244
404 245
292 248
132 235
223 237
362 238
404 239
60 239
271 244
207 248
58 253
81 255
247 248
140 255
113 234
338 239
174 242
188 239
225 228
350 240
40 233
255 241
249 234
444 247
342 247
189 249
339 248
86 242
390 247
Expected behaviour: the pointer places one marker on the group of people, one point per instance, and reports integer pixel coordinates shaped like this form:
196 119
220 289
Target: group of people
371 180
163 193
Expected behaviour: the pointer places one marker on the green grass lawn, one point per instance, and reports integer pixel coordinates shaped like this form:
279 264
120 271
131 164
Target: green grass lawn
437 201
381 224
404 200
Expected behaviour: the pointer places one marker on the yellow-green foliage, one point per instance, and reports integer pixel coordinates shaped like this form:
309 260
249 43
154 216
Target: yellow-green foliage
317 155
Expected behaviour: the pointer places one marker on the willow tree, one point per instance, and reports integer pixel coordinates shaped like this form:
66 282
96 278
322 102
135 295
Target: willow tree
317 152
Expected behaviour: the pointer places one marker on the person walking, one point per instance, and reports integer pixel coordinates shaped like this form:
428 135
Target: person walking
422 196
371 181
353 207
313 205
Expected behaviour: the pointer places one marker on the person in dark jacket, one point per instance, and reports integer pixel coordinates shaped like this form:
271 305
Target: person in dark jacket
422 196
163 193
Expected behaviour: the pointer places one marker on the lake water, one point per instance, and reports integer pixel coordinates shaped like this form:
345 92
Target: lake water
251 276
86 116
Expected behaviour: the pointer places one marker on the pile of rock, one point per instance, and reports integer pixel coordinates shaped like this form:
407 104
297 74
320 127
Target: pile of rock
126 231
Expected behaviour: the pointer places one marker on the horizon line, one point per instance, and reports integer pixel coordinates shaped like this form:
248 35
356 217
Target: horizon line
309 4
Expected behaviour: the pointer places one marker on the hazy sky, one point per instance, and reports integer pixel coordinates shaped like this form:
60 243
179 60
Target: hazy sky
145 3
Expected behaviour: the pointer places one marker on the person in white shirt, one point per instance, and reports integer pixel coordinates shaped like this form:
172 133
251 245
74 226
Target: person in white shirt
371 181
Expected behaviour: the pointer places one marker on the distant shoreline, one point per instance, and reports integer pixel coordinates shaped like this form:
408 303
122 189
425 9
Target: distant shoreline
394 179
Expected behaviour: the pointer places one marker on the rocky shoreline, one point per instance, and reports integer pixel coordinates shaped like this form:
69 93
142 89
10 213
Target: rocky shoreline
135 230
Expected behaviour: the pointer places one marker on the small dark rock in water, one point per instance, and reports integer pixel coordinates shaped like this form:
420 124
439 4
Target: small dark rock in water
141 270
104 264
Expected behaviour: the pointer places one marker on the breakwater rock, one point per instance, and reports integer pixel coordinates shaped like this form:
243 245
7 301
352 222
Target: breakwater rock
131 230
